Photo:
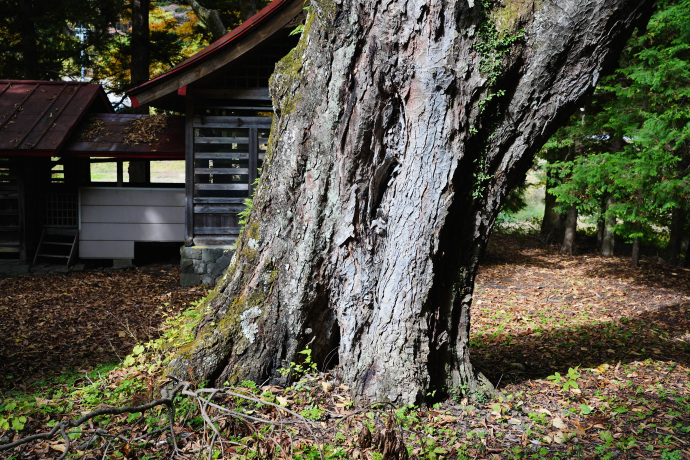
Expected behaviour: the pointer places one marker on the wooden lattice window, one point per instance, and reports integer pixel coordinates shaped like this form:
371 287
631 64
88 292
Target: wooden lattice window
60 210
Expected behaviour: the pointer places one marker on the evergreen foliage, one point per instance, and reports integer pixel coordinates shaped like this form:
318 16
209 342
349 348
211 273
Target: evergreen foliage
633 144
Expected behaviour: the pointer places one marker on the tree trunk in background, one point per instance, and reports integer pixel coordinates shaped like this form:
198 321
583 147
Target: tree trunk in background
608 239
212 19
138 170
397 136
685 250
28 41
248 8
636 252
552 223
140 42
570 229
601 224
678 231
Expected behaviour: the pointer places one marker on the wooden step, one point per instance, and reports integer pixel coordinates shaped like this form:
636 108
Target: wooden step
58 243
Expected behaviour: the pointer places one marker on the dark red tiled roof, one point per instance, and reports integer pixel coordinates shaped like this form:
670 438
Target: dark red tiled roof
108 135
37 117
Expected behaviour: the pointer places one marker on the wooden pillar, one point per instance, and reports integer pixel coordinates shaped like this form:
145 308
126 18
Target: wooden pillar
189 169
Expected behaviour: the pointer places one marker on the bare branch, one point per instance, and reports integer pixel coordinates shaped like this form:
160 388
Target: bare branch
210 18
61 426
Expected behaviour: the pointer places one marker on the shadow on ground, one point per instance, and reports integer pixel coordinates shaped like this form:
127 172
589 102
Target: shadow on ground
625 314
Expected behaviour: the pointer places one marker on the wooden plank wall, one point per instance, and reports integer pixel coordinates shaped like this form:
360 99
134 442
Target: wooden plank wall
113 218
230 137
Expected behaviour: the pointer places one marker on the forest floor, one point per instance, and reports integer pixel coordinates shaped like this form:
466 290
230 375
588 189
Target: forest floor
590 357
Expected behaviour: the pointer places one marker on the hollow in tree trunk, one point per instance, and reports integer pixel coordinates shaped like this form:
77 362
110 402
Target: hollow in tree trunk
400 127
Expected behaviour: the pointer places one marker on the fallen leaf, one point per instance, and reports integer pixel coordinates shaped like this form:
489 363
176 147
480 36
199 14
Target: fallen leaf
59 447
557 422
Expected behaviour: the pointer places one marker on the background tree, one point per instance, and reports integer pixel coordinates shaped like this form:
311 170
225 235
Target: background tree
400 127
38 37
640 166
141 57
220 16
173 36
40 40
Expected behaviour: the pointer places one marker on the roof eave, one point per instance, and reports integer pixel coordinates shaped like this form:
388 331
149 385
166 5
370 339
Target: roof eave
225 50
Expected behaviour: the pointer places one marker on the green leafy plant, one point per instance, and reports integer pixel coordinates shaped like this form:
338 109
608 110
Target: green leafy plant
568 381
313 412
585 409
7 420
249 204
299 370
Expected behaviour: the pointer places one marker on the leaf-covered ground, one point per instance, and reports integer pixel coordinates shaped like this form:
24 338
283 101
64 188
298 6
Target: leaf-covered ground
53 322
590 356
536 312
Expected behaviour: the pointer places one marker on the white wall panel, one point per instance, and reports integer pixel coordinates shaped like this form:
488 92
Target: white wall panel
112 219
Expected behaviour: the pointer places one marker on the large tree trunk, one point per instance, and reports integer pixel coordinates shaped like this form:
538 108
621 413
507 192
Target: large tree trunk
140 42
138 170
398 134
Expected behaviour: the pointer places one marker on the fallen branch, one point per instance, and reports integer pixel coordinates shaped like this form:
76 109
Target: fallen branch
62 427
204 397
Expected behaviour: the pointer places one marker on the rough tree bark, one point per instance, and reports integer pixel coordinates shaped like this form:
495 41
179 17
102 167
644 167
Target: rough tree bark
400 127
